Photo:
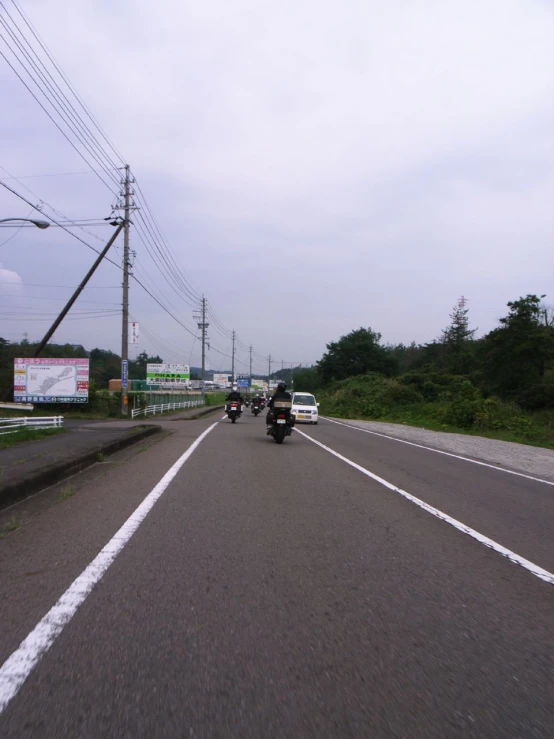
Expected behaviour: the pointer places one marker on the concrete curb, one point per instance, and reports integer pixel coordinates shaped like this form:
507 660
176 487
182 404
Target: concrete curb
41 479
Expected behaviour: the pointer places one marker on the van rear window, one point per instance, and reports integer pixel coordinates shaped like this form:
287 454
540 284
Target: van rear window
304 400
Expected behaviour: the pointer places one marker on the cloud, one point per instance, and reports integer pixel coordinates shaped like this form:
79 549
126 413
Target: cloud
379 159
10 282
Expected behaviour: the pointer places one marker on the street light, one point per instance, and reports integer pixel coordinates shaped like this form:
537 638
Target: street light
38 224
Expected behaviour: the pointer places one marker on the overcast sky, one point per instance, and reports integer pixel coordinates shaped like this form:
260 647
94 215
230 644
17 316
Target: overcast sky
316 166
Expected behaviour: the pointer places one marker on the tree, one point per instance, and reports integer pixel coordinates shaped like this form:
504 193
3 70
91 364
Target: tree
137 367
105 365
306 378
407 357
516 355
457 339
356 353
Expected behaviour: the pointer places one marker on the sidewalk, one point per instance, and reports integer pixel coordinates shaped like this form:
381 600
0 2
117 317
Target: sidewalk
32 466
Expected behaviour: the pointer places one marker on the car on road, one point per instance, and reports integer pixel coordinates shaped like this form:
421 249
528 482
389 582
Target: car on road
305 408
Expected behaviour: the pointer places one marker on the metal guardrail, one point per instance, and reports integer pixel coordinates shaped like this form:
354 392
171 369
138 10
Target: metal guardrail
38 422
151 410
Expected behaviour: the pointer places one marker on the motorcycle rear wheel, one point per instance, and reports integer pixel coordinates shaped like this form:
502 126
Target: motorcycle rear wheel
279 434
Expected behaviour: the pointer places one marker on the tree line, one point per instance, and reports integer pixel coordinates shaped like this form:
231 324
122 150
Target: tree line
512 363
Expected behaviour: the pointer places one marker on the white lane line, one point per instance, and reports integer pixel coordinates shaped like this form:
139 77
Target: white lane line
512 556
439 451
17 668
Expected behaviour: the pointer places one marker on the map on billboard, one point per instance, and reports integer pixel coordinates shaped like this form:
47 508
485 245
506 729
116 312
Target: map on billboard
167 374
50 380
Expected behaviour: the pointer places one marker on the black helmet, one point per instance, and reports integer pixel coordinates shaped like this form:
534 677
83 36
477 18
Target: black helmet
282 386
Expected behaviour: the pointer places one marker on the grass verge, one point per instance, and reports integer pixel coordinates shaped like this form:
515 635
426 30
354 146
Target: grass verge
17 437
433 425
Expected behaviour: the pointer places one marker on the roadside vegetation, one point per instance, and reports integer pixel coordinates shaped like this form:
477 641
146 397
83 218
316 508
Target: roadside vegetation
500 385
17 437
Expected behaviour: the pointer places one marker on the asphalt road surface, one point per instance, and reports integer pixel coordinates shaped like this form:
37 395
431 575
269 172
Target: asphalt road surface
260 590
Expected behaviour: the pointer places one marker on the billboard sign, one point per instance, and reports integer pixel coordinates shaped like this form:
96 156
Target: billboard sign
222 379
50 380
167 374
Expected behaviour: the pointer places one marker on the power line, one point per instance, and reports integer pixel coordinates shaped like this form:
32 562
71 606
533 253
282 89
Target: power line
57 98
149 230
50 116
67 81
39 209
49 174
52 92
68 287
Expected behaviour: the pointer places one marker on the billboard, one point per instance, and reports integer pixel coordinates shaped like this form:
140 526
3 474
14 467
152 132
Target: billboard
50 380
167 374
222 379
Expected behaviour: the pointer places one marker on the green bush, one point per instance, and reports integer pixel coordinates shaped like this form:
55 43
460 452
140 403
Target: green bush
537 396
464 408
456 404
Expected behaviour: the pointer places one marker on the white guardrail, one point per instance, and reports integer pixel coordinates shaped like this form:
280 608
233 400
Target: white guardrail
11 425
151 410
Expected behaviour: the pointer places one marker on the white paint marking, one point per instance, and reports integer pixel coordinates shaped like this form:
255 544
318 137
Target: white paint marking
17 668
512 556
439 451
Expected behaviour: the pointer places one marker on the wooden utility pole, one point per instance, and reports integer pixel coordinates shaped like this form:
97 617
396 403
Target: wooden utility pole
233 356
125 302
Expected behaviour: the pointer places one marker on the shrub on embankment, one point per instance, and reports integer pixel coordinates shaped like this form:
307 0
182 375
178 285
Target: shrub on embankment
442 402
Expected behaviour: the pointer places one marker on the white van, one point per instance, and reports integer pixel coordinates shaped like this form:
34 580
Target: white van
304 408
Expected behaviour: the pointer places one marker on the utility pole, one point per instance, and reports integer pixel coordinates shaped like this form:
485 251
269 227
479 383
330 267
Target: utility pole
233 356
250 350
269 371
125 307
203 326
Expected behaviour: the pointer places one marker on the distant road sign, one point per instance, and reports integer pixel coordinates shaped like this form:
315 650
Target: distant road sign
243 380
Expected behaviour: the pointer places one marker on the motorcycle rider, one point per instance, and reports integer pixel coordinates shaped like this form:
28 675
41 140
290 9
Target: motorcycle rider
236 396
280 394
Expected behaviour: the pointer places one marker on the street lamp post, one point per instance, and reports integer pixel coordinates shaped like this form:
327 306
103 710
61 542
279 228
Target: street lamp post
38 224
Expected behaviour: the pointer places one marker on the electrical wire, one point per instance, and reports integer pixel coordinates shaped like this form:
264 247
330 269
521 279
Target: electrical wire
39 209
62 105
52 92
67 81
149 230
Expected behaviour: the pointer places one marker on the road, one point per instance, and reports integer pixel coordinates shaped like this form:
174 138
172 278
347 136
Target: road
279 591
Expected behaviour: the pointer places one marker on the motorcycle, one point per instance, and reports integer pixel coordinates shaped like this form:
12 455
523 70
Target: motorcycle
256 409
233 410
281 422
